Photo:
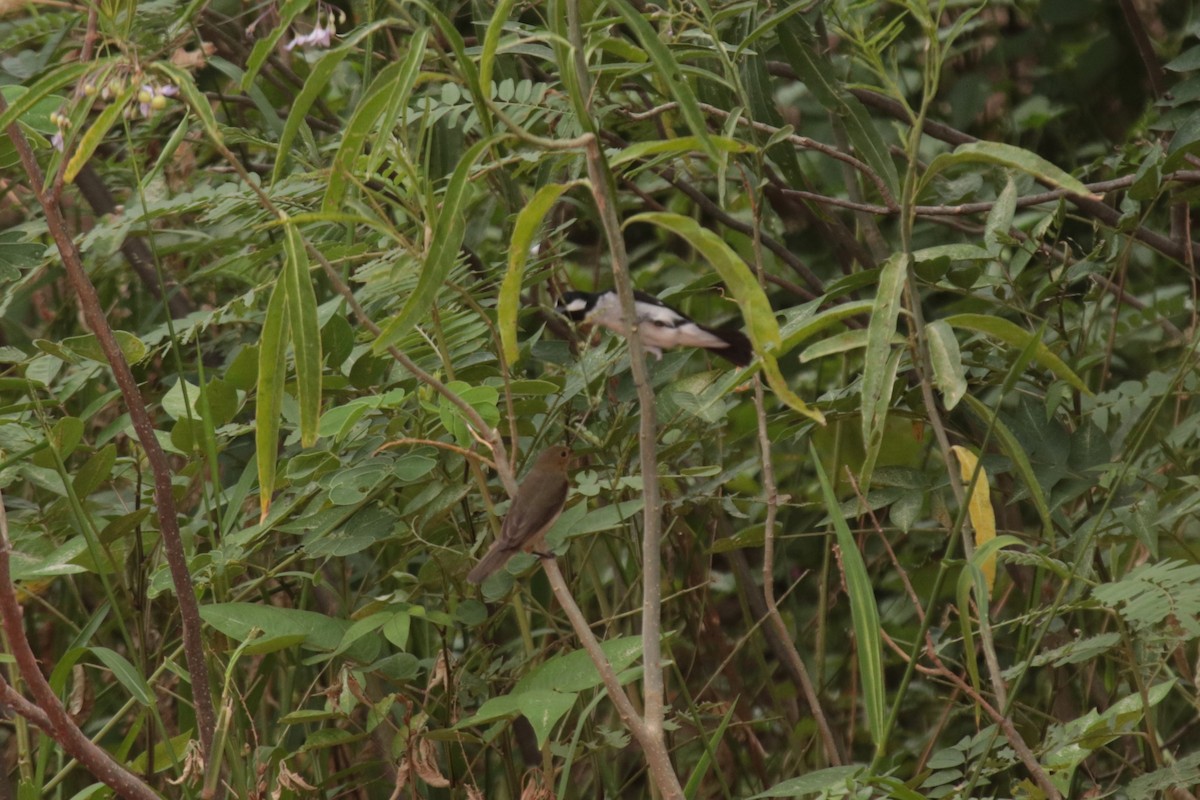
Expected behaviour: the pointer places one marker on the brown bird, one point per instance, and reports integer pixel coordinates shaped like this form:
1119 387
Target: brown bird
538 503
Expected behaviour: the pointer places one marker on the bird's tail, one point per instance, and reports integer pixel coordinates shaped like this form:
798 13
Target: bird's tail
492 562
737 350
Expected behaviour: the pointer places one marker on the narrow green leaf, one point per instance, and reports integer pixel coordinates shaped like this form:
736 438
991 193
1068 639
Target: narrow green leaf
1006 155
863 611
999 220
1010 333
51 82
799 48
94 135
527 224
491 42
705 761
971 575
263 48
126 674
841 343
268 401
669 70
318 78
682 144
195 98
797 331
878 375
948 371
447 238
812 783
388 91
305 333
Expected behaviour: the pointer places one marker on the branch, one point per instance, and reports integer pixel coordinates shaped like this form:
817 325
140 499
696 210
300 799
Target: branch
164 501
49 714
783 636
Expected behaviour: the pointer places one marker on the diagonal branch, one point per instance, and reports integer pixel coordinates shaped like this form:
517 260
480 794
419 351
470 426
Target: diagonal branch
164 501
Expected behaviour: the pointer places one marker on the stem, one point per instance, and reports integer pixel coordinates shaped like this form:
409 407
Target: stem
164 502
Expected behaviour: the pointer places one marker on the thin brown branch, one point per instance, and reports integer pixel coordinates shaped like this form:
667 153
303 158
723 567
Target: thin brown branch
652 683
1011 734
801 142
1145 48
774 619
53 718
164 500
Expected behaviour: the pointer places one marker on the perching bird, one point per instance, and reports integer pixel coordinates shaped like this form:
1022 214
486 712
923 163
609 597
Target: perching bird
538 503
660 326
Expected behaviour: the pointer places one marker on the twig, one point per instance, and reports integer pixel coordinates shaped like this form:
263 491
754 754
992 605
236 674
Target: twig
600 175
164 501
795 663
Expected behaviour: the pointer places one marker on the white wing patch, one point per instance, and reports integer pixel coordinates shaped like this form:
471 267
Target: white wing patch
660 326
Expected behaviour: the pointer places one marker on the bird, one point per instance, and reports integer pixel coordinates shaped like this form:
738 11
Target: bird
660 326
535 507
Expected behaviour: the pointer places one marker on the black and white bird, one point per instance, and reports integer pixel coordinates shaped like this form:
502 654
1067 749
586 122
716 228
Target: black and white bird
660 326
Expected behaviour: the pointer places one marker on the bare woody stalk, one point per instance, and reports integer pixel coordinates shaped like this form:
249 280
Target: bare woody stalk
605 198
652 689
164 502
49 714
774 619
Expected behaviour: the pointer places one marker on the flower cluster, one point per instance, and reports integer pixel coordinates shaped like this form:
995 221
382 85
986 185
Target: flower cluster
154 98
322 35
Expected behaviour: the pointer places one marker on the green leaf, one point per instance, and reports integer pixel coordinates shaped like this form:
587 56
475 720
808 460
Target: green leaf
166 754
126 674
800 49
761 325
948 371
95 471
878 370
841 343
86 145
863 611
575 672
491 42
796 331
779 386
314 84
87 346
1011 334
65 75
682 144
1005 155
285 14
669 70
525 228
389 90
546 694
812 783
268 400
305 331
447 236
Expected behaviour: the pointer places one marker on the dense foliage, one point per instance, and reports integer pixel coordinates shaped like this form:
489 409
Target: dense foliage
939 540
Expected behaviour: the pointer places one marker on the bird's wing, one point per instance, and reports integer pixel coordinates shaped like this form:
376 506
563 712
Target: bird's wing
533 512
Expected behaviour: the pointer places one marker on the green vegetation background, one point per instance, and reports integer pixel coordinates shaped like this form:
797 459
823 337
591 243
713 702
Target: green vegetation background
972 223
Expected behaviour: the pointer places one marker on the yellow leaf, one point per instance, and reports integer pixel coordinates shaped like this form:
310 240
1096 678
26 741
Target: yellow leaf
979 507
